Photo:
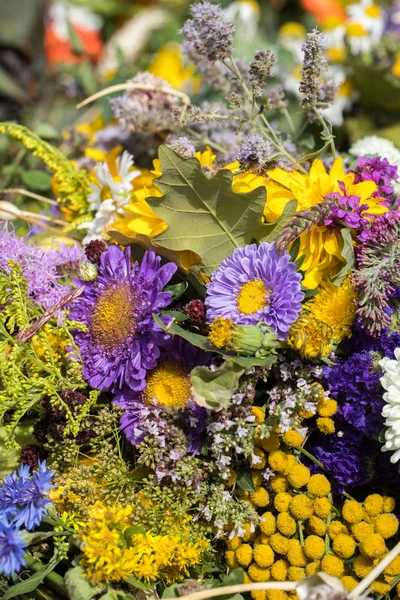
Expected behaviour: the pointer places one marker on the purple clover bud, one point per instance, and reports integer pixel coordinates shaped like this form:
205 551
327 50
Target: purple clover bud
255 154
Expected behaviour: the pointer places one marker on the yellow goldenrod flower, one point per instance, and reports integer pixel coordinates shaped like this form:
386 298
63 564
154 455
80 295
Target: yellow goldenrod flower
316 525
279 483
301 508
293 438
279 543
314 547
278 461
387 525
362 566
298 476
319 486
244 555
373 505
362 530
263 556
373 546
326 425
279 570
327 407
344 545
389 504
332 565
349 582
286 524
352 511
282 501
296 555
336 528
296 573
260 497
313 567
231 560
258 573
268 523
322 507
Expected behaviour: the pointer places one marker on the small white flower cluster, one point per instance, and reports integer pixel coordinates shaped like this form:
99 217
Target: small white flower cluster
391 411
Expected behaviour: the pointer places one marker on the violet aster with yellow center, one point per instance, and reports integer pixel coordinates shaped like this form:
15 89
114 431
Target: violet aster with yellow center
256 284
122 340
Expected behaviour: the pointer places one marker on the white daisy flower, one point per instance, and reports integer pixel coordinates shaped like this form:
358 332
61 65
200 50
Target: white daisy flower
118 188
79 16
391 411
365 26
245 14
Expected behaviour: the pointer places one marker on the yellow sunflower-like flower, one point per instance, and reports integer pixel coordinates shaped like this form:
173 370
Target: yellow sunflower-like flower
325 320
168 63
322 245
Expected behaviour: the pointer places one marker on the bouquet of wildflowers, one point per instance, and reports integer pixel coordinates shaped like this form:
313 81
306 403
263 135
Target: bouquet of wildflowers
200 347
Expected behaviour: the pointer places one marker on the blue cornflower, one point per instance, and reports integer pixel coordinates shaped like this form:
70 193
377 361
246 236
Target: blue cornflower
12 549
22 497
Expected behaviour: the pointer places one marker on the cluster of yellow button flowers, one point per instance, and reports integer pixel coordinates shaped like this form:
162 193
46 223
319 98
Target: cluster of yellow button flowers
302 532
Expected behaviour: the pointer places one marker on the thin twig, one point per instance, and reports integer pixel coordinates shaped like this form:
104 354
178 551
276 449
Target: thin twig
374 574
243 587
121 87
29 194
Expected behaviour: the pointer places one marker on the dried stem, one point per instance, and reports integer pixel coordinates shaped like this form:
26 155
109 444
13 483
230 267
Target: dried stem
122 87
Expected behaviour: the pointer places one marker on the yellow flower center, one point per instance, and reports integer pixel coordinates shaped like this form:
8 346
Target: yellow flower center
373 11
252 297
105 193
356 30
168 384
221 332
112 320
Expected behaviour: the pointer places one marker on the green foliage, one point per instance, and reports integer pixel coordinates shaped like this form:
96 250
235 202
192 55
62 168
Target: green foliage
204 215
214 389
347 255
72 186
28 585
38 367
78 586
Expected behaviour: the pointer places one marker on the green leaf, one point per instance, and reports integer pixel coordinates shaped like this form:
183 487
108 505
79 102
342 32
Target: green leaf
268 232
74 38
78 586
133 530
214 389
46 131
86 77
294 250
27 586
204 215
37 180
138 584
245 480
177 315
171 592
235 577
347 254
299 261
200 341
177 289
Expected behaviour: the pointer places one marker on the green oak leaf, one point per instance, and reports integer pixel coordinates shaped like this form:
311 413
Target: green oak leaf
205 216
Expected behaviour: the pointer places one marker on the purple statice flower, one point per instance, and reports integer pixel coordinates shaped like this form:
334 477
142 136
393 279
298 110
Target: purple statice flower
256 284
344 456
23 498
255 154
12 549
44 269
349 210
207 34
354 383
177 359
194 426
122 341
378 170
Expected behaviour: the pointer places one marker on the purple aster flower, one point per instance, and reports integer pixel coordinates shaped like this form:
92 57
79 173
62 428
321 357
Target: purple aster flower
22 496
44 269
167 384
122 341
378 170
256 284
12 549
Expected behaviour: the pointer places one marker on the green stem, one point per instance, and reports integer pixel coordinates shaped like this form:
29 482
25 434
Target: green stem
205 140
286 113
301 536
54 580
328 134
311 457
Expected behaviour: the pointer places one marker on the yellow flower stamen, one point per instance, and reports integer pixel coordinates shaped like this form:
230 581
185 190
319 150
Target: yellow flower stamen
113 321
221 333
252 297
168 384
